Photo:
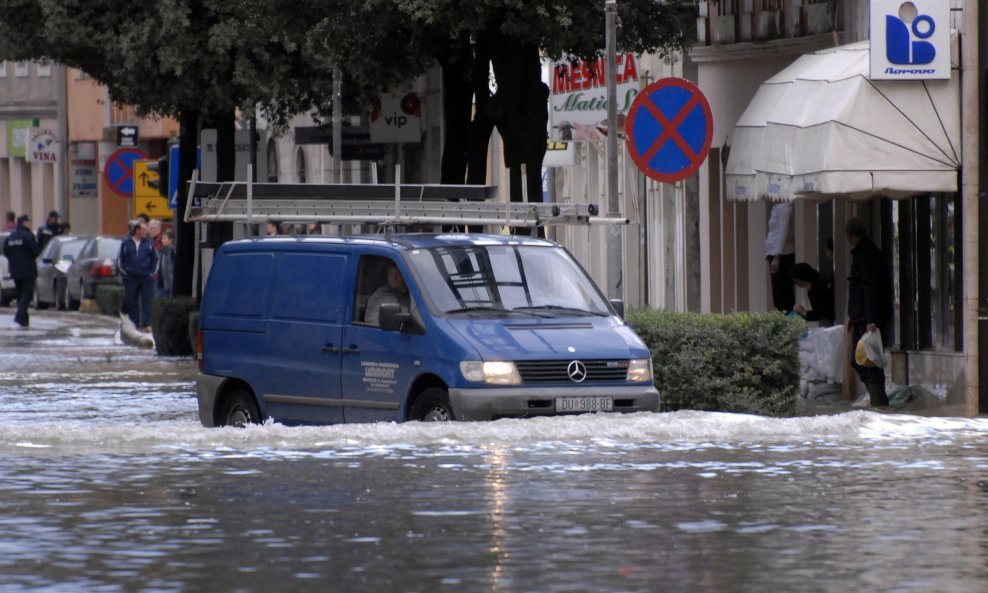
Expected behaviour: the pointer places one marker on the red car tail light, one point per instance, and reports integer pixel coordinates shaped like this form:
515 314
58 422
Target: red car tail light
102 270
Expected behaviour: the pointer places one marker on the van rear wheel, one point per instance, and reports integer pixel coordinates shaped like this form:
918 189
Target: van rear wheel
432 406
239 409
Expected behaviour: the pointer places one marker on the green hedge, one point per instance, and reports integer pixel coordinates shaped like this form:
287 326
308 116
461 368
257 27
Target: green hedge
109 298
170 323
740 362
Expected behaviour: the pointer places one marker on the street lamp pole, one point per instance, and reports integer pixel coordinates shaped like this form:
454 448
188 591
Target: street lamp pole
614 251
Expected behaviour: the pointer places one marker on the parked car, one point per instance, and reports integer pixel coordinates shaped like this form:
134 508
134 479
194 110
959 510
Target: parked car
96 265
7 289
53 262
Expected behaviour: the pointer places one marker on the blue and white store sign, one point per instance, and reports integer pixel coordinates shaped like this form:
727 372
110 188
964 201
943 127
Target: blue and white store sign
910 39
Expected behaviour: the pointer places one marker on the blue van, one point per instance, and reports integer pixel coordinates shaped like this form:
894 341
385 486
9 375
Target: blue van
321 330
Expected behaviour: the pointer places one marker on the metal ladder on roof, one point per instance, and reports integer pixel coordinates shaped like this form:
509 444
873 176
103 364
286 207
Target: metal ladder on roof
398 205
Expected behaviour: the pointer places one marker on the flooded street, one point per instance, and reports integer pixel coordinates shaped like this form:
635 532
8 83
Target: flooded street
108 483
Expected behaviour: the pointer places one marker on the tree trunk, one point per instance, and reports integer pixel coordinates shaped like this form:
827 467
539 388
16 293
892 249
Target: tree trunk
185 246
457 104
482 125
520 113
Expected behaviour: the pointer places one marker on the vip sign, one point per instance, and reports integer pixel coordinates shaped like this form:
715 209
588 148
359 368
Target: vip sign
910 40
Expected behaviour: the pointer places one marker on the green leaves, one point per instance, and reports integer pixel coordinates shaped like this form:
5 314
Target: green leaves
733 363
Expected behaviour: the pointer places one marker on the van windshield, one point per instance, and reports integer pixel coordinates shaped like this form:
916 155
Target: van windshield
498 280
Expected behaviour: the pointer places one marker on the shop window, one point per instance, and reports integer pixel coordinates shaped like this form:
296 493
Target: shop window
928 278
272 161
300 172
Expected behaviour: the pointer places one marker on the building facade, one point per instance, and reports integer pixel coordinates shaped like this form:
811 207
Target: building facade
929 236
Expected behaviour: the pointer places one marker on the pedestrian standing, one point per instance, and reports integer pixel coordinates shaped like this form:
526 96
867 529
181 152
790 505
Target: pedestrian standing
780 252
10 223
21 250
137 262
48 230
869 304
154 233
166 266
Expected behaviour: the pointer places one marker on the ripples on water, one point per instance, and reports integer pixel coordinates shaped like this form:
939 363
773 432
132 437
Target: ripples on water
109 484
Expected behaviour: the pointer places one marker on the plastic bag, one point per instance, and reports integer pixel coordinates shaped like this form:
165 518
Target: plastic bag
869 352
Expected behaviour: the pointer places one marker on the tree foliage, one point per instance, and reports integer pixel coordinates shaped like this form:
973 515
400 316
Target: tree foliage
201 59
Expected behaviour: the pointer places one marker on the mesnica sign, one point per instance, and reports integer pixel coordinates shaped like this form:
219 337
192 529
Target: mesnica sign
578 96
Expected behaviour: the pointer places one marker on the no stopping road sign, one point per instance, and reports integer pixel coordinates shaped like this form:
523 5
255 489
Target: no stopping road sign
669 129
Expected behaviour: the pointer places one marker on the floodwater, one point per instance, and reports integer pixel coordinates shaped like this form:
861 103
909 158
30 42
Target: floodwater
109 484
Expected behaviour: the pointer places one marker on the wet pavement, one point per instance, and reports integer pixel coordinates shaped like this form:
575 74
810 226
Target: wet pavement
109 484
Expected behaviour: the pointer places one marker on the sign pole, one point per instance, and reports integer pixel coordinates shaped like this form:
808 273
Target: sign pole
614 255
337 125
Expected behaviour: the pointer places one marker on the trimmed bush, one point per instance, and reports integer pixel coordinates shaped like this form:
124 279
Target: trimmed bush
194 331
170 322
740 362
109 298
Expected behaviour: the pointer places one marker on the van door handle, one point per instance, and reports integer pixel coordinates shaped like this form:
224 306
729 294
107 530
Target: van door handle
330 349
351 350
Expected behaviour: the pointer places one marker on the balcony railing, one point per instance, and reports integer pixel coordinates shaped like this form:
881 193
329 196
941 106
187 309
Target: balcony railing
734 21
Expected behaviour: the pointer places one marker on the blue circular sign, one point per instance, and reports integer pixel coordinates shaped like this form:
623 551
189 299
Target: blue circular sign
669 129
120 170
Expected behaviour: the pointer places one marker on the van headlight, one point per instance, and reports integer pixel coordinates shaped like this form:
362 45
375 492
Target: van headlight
494 373
640 370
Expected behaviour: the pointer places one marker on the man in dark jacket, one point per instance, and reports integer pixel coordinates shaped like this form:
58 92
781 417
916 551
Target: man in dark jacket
49 229
138 261
869 304
21 250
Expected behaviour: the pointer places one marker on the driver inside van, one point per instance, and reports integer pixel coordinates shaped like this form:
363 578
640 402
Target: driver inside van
394 291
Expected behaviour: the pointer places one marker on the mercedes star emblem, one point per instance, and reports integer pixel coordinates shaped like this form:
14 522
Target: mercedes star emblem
577 371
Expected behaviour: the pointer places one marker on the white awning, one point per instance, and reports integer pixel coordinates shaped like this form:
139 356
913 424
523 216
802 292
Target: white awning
821 129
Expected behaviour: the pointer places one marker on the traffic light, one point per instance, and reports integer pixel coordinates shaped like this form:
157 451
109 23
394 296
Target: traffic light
161 183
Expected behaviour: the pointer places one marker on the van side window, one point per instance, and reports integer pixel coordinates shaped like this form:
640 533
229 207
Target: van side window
228 298
379 281
315 293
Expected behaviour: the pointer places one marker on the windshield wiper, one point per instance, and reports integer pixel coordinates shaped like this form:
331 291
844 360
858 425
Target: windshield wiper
478 308
561 308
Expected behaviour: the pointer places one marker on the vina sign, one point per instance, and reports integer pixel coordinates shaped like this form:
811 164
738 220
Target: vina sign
578 96
910 40
42 146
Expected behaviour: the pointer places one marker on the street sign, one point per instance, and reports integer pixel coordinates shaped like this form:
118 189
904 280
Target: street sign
669 129
156 207
147 199
143 178
127 136
119 171
355 141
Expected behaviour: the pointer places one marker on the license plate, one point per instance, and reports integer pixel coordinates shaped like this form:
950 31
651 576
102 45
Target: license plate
585 404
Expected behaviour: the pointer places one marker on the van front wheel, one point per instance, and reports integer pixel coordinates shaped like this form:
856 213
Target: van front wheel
239 409
432 406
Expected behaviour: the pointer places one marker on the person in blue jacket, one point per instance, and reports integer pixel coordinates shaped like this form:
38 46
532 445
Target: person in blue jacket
21 250
137 262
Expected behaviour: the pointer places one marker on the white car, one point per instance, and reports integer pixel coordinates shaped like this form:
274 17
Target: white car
7 290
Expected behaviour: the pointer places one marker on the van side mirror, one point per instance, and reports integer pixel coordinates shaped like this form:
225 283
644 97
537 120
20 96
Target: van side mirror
618 305
392 318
